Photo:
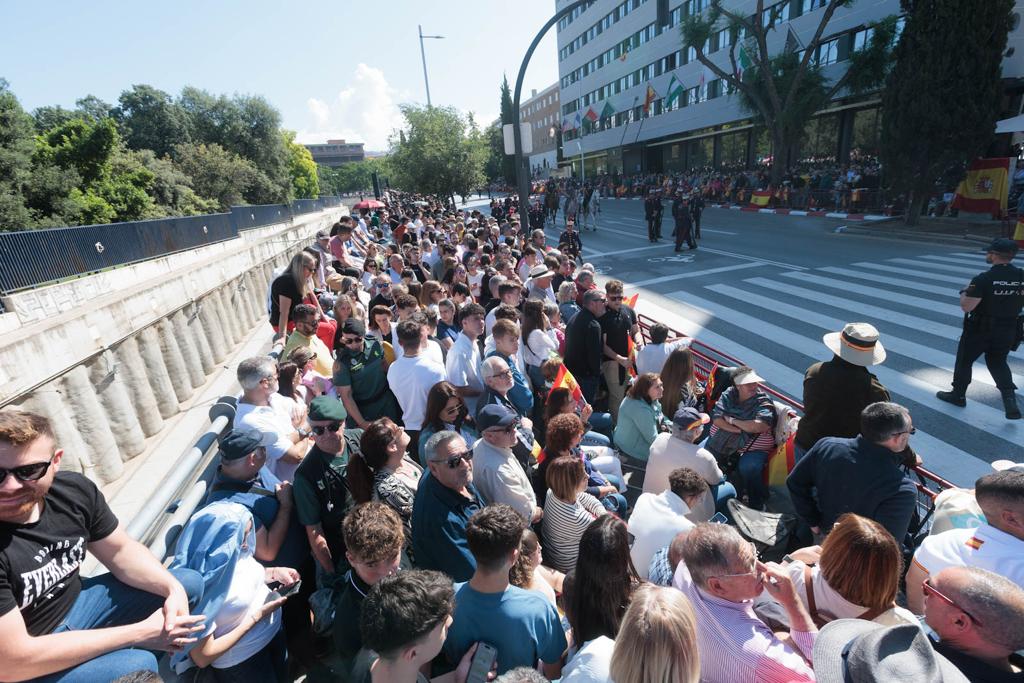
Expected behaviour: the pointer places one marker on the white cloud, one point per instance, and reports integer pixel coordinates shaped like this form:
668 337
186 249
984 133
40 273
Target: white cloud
366 110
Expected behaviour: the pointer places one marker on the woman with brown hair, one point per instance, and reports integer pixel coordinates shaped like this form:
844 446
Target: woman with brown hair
640 416
379 326
682 390
446 410
564 434
431 294
568 511
529 574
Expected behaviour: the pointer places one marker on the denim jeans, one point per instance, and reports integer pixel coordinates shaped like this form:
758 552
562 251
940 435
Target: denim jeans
602 424
105 602
616 503
269 665
722 493
751 471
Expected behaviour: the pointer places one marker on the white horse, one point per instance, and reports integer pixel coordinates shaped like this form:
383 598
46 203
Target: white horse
588 216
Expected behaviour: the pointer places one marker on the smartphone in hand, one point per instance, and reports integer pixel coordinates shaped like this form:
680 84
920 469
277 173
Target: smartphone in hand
483 661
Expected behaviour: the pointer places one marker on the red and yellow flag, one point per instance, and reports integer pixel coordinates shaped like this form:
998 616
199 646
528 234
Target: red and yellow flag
781 463
1018 233
632 300
760 198
565 379
985 188
631 355
709 388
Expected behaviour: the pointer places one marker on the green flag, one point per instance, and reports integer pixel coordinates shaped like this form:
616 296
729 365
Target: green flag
675 90
744 62
608 110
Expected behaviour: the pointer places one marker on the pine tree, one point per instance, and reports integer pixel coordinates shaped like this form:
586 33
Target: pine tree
508 162
942 97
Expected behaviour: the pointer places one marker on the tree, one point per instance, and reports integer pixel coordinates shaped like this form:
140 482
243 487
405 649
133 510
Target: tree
150 119
939 108
437 152
352 177
782 89
494 167
302 168
171 189
16 148
216 173
508 116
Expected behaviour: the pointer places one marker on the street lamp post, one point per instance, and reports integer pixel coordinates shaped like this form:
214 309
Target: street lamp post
423 54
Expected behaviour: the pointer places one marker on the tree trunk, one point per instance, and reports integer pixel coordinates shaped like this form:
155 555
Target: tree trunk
780 150
914 206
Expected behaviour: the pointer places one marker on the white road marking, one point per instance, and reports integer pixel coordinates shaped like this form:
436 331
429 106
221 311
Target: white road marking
898 282
879 294
693 273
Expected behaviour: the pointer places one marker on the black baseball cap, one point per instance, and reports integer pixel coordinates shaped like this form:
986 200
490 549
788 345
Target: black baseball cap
1002 245
238 443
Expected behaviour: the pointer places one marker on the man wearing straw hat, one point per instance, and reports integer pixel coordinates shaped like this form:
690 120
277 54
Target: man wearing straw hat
836 391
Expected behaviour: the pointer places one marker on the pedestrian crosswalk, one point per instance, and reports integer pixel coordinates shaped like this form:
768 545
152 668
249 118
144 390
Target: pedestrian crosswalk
774 319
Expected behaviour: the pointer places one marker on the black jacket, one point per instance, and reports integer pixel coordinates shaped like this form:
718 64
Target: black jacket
584 346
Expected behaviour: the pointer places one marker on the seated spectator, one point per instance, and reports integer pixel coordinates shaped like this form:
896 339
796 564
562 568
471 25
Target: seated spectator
412 375
741 434
568 511
263 409
663 565
858 650
506 347
383 471
956 508
657 640
855 574
499 379
48 520
682 389
565 432
640 419
520 624
978 622
292 288
721 575
863 475
651 357
997 545
599 425
463 363
373 542
567 306
658 517
446 410
305 334
445 500
599 589
677 448
530 574
242 636
498 475
290 385
361 376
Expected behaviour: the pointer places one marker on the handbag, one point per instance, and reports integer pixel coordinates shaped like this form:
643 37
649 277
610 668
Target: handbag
772 533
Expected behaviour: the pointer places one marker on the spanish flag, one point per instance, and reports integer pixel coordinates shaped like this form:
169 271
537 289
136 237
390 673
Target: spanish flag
631 354
985 188
709 388
781 463
632 300
565 379
760 198
1018 233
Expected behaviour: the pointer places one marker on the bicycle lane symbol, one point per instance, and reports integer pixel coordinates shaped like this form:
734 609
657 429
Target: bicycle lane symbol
677 258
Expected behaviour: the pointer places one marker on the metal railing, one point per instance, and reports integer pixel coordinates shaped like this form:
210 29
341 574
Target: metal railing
30 258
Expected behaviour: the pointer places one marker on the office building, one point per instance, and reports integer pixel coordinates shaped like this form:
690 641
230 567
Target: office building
336 152
541 111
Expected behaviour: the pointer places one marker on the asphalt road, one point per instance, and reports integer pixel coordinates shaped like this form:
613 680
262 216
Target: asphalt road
765 288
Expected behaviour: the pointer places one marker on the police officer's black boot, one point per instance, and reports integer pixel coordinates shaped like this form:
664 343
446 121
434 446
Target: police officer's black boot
952 397
1010 404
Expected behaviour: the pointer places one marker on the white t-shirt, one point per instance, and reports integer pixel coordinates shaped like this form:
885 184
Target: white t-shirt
985 547
463 368
275 419
540 347
248 589
411 379
592 663
475 281
655 521
668 453
652 357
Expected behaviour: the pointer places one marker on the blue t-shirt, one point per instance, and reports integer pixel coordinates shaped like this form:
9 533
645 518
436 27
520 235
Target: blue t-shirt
521 624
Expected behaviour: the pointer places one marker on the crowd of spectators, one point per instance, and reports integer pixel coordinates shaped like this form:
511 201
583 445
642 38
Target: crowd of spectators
437 461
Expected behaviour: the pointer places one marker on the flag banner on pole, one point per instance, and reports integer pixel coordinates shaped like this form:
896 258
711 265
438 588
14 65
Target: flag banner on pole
675 90
578 121
709 389
632 300
743 63
760 198
565 379
1018 233
631 355
652 95
591 115
566 124
608 111
985 188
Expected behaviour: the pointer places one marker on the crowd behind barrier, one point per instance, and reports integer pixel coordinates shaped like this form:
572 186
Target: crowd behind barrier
463 459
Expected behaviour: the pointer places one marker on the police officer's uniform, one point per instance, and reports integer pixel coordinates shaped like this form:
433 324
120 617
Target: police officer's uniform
990 328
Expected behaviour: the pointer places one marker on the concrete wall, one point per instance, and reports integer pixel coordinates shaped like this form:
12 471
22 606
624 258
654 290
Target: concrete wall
109 357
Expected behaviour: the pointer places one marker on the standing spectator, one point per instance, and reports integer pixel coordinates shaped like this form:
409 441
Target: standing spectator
677 448
657 640
446 410
863 475
657 518
291 288
447 327
682 389
445 500
652 357
567 306
568 511
412 375
520 624
721 575
619 327
321 496
510 293
539 342
499 476
584 282
584 341
263 409
540 283
640 417
360 376
463 362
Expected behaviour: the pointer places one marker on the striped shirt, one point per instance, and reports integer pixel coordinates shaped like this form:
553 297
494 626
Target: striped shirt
737 647
564 524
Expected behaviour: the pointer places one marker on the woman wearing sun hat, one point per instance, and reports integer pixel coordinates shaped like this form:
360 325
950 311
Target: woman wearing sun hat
836 391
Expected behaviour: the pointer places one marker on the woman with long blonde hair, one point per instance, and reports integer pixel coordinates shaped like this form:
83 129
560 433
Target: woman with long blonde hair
657 640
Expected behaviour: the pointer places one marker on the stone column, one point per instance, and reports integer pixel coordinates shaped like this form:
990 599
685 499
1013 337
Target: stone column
144 403
189 352
213 332
156 372
91 420
48 401
174 360
195 327
108 380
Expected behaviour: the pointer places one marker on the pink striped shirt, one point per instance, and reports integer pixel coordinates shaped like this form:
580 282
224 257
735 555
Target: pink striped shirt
736 646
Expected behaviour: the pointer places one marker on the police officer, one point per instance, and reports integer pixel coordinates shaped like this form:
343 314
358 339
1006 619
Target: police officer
992 301
653 208
696 209
684 223
361 376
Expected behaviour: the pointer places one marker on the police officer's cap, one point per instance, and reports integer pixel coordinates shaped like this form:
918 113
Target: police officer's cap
1002 245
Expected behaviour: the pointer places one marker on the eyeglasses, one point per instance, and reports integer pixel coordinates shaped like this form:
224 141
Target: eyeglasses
930 589
503 373
756 571
454 461
320 429
505 430
912 430
452 409
385 285
32 472
615 298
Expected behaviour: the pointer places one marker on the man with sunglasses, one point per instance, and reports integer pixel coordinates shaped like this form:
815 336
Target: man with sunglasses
383 294
361 376
304 334
445 500
498 474
322 497
52 620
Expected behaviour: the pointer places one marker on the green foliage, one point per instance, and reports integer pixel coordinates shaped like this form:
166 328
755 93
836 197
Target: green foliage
438 152
302 168
16 148
150 119
494 168
809 96
216 173
942 98
80 144
352 177
508 161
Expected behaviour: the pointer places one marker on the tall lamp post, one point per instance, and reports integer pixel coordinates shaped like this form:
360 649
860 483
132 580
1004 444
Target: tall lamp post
423 54
524 178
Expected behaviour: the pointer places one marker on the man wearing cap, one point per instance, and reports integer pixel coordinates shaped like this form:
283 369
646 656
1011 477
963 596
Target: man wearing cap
540 284
683 232
836 391
619 325
992 303
863 475
322 497
653 208
361 376
677 448
497 473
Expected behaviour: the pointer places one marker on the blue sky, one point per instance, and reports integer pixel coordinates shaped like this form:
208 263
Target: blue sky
333 69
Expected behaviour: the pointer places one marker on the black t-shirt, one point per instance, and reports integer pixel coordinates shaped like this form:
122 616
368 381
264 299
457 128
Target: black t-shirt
1001 290
615 325
39 563
283 285
976 670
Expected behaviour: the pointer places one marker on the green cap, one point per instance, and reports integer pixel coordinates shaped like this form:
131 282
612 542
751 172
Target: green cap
327 409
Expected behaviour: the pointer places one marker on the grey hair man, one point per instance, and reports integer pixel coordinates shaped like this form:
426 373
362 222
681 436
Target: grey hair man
263 409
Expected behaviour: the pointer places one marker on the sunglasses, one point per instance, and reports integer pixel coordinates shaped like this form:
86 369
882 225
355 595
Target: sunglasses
350 341
33 472
320 429
931 590
454 461
912 430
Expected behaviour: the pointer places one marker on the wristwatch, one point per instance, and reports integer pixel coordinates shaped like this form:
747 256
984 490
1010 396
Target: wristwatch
304 433
730 419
